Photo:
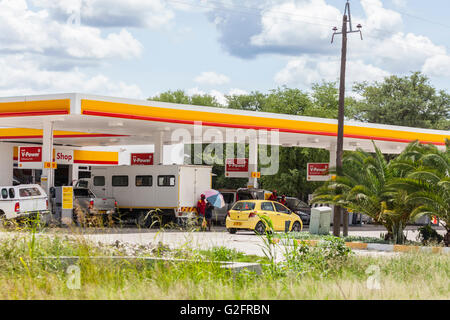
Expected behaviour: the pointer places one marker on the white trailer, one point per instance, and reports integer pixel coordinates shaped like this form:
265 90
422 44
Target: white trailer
174 189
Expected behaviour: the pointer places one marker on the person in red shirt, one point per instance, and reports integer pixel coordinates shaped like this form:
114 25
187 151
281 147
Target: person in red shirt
283 200
273 196
201 205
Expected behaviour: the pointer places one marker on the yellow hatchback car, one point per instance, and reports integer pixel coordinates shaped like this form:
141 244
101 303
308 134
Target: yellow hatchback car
244 215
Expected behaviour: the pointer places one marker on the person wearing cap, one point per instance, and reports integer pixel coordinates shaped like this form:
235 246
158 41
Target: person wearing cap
273 196
201 205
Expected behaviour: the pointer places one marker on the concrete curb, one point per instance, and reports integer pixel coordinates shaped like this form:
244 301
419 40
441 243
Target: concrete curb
381 246
235 267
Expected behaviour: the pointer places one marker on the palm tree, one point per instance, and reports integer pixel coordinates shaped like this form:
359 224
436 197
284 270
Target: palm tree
365 188
427 183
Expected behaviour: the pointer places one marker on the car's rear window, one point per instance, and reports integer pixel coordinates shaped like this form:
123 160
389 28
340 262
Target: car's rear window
243 206
29 192
82 193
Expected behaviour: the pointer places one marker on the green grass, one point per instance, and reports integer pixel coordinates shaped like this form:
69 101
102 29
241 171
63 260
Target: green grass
332 273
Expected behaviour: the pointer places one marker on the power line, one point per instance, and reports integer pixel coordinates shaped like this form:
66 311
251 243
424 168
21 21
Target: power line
251 11
224 8
424 19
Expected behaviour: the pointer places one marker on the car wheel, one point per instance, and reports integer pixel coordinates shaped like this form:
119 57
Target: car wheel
296 227
3 221
232 231
260 228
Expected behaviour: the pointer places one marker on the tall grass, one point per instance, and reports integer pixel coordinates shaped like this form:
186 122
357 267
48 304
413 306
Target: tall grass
28 270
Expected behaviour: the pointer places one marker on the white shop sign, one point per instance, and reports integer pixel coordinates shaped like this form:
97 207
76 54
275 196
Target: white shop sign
64 156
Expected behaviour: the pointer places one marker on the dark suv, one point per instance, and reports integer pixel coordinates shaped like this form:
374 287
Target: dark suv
299 207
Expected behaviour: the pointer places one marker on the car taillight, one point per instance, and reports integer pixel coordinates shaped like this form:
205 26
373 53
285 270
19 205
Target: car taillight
228 213
17 207
91 204
252 214
46 203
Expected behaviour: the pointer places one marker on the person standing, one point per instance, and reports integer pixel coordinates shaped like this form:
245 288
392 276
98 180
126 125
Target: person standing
283 200
201 206
273 196
208 214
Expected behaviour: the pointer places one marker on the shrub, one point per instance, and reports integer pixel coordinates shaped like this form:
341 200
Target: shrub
427 234
319 261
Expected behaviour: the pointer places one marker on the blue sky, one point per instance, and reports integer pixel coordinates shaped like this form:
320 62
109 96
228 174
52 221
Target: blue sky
138 48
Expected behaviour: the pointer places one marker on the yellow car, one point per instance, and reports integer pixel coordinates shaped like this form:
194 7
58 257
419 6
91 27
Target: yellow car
245 215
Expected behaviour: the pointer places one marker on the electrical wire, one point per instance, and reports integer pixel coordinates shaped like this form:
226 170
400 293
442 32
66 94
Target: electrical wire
252 12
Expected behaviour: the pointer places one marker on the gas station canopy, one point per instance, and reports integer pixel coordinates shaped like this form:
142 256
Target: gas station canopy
90 120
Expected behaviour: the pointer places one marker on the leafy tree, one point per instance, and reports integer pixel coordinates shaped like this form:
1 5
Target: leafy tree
405 101
252 102
179 96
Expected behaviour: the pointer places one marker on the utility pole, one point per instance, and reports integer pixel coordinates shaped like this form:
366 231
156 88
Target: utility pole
338 212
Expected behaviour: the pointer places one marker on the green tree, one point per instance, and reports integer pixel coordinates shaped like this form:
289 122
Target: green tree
252 102
366 187
427 182
179 96
405 101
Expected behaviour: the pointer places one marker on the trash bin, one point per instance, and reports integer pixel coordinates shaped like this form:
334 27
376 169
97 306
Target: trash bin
320 220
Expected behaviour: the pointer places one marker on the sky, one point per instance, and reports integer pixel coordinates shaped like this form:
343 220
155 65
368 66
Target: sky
140 48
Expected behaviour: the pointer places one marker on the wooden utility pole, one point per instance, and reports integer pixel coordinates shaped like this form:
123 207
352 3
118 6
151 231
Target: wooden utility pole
340 137
338 212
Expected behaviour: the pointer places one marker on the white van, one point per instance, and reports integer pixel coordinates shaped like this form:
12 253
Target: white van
22 200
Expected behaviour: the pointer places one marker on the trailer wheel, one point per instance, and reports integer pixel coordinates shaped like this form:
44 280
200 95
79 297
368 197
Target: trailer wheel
144 220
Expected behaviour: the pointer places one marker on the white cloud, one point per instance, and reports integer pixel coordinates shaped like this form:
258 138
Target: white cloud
379 18
237 92
111 13
21 75
27 31
290 24
211 78
219 95
438 65
303 71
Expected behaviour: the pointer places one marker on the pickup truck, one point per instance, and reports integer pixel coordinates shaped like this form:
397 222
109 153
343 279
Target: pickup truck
86 200
86 203
21 201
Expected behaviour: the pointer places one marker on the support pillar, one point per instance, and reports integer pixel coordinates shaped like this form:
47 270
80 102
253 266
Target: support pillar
73 173
253 160
47 155
158 153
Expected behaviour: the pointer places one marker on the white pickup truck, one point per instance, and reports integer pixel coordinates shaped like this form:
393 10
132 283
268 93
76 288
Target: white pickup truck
22 200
